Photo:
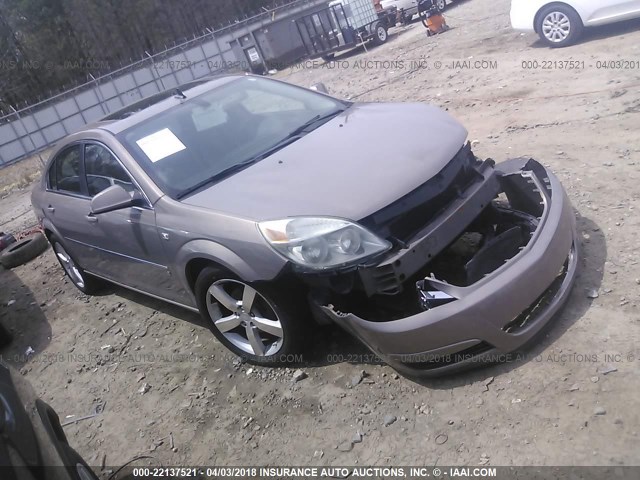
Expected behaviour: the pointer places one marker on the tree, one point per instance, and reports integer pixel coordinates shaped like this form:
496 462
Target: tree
46 45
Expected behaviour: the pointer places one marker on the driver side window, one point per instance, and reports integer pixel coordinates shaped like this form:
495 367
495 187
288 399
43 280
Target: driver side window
103 170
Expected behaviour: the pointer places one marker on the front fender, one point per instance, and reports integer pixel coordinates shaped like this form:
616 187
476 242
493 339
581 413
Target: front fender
266 269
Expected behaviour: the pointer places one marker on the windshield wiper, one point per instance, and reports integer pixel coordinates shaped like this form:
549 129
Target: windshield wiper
306 127
218 176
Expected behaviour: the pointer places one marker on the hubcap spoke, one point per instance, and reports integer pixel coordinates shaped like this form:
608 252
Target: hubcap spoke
217 292
69 266
244 317
253 335
248 296
270 326
556 26
228 323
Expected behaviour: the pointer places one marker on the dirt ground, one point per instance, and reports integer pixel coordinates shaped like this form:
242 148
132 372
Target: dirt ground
170 391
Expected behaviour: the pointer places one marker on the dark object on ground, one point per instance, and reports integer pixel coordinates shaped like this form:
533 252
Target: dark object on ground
21 252
31 436
5 337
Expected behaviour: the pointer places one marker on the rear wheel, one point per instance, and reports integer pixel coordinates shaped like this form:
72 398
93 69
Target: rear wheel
82 281
380 34
559 26
254 322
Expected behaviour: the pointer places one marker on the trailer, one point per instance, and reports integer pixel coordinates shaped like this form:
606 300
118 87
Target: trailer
342 25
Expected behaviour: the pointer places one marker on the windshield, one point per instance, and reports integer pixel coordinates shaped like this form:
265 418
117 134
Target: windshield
222 130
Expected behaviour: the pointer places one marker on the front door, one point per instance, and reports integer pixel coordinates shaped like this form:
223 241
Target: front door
126 242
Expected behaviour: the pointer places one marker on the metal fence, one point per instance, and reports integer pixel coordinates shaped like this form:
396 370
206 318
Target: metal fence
26 131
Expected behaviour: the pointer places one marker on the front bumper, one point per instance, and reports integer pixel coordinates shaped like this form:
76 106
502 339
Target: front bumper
494 316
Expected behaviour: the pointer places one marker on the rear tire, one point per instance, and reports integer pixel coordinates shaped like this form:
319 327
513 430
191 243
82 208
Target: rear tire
380 34
258 323
80 279
559 26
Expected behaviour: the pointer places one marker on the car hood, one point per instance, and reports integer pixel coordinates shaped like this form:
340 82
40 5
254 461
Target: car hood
354 165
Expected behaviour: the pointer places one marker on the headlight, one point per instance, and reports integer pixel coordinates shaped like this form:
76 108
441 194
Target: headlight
320 243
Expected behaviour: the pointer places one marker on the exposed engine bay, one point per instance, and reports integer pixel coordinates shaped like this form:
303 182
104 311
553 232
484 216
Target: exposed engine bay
479 218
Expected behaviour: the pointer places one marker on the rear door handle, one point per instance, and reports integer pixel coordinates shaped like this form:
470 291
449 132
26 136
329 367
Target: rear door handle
51 209
92 218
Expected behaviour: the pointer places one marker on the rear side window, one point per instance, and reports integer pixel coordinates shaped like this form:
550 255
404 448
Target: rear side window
64 174
52 176
103 170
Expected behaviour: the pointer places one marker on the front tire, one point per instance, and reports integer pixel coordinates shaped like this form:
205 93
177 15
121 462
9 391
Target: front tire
441 4
559 26
254 322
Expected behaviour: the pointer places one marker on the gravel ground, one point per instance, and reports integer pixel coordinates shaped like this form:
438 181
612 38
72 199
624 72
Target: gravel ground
170 391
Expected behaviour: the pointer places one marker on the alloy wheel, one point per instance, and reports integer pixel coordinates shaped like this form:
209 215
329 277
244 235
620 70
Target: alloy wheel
382 34
69 266
245 317
556 27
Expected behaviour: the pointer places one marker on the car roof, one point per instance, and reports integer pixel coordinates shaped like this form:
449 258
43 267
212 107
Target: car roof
148 107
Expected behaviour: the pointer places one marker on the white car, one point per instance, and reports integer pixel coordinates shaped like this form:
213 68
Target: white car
409 8
561 24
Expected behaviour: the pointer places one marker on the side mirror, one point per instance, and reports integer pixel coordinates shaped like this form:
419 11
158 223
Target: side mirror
320 87
114 198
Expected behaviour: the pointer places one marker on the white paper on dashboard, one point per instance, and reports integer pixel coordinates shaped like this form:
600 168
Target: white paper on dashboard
160 145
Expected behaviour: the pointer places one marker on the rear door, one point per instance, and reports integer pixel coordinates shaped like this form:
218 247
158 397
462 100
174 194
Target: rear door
66 203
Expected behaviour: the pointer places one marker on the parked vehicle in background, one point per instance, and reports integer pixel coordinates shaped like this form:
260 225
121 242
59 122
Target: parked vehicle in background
266 206
560 24
342 25
409 8
406 8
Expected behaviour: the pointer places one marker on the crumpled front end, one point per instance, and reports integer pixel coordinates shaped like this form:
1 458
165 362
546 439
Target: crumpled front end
493 262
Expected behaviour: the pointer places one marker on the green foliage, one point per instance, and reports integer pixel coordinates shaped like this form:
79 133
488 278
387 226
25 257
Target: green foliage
47 45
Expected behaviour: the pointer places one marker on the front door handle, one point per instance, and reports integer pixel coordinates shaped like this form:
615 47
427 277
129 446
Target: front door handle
51 209
91 218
